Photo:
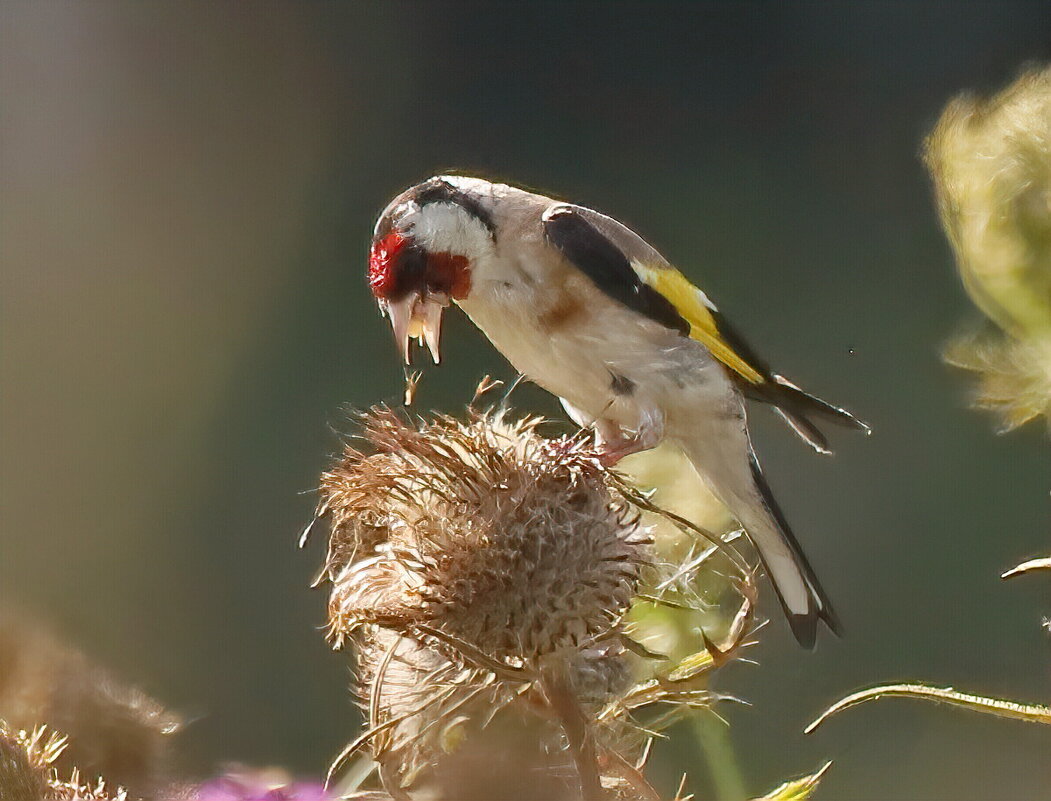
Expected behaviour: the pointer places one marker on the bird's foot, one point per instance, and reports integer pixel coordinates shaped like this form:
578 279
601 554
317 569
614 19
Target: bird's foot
610 454
614 443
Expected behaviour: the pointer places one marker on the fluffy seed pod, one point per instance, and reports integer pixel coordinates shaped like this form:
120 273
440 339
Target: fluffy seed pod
990 159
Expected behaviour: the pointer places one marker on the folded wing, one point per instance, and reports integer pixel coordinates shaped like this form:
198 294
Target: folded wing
629 270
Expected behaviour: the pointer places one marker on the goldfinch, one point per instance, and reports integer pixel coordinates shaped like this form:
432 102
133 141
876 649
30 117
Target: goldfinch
587 309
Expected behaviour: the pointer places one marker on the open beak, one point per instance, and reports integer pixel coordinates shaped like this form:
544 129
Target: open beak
417 317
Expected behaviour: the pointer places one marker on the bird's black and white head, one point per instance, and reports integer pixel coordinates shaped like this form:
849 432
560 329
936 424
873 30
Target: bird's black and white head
425 249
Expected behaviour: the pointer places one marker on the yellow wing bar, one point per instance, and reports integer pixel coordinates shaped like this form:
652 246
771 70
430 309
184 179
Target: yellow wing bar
691 304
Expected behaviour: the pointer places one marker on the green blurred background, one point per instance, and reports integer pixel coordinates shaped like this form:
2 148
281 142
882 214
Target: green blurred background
187 195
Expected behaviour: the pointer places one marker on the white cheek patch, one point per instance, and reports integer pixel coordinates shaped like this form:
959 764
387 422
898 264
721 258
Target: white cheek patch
447 228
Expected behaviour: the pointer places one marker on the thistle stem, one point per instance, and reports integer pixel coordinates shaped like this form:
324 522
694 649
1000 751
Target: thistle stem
564 704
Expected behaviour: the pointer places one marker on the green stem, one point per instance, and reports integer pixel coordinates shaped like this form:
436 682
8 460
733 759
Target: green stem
713 738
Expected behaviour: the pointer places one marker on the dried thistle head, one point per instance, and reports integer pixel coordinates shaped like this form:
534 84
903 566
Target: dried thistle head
471 563
483 530
483 574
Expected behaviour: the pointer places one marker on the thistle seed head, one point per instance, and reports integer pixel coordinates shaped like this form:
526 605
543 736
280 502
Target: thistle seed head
483 573
484 531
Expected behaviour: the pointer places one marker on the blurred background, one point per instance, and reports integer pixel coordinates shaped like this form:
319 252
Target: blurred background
186 196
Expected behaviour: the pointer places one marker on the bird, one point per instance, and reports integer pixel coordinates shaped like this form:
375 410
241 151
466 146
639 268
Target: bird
584 307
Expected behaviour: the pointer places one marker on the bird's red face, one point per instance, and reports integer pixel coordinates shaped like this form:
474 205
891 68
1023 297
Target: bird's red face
413 286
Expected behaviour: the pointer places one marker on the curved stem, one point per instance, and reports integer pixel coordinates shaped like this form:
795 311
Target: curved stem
1034 713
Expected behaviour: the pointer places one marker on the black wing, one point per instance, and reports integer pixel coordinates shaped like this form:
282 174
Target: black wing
607 267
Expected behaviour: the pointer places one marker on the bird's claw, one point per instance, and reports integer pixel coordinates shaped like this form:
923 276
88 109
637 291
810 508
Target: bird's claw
614 443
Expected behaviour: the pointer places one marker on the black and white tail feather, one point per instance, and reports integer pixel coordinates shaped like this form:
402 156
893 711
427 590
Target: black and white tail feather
804 623
796 407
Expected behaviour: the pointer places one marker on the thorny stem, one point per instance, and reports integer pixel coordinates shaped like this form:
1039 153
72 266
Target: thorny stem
564 704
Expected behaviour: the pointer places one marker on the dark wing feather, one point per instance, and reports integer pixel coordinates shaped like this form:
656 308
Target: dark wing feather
607 266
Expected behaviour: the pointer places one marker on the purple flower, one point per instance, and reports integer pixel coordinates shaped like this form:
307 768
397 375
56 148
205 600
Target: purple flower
260 787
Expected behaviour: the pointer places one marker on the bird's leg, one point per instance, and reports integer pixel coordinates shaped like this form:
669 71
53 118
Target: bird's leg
614 442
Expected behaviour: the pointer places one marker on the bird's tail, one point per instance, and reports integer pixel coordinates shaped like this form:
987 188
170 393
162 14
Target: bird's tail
789 570
800 410
749 499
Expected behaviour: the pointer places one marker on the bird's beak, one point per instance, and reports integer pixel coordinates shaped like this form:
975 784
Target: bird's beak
417 317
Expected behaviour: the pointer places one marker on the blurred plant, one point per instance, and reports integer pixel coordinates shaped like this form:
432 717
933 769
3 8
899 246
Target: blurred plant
28 772
991 165
485 576
115 730
271 785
